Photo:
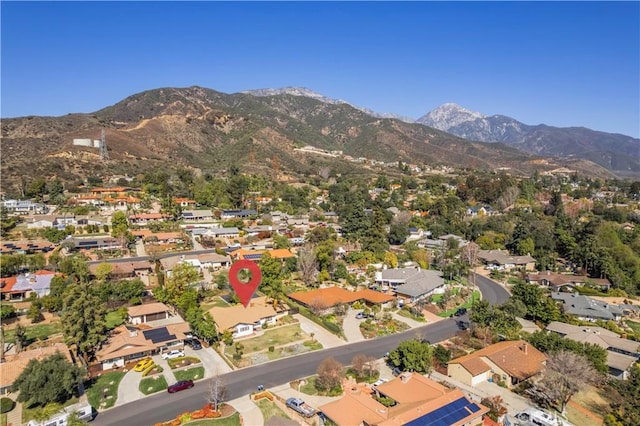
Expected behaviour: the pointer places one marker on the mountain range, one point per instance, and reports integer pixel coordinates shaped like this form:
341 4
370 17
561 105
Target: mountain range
207 131
615 152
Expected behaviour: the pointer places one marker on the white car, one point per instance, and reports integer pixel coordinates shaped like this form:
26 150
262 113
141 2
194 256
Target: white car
172 354
379 382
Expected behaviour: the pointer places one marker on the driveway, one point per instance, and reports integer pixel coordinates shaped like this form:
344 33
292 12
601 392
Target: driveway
351 326
211 361
128 390
167 372
321 334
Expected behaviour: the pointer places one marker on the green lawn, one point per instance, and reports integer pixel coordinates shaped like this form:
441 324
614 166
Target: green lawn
270 409
113 319
196 373
104 387
34 332
407 314
233 420
635 326
46 411
467 304
278 336
150 385
215 302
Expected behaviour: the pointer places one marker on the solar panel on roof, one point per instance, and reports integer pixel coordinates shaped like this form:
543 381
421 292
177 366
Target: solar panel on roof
253 256
447 415
187 214
158 335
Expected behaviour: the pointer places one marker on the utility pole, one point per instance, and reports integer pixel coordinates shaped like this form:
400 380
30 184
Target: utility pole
104 153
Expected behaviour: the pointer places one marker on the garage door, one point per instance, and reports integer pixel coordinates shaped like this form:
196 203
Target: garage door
157 316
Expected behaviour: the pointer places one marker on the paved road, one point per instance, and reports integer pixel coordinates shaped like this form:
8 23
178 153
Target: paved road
491 291
164 406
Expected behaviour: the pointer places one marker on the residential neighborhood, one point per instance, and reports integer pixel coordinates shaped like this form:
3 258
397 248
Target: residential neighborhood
151 277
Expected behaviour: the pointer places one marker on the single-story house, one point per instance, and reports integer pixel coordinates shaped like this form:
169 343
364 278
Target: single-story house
19 287
184 202
503 261
204 260
256 255
26 247
231 232
559 281
411 284
243 321
621 353
329 297
237 214
14 365
419 401
142 314
586 308
198 215
164 238
144 218
510 362
120 270
97 243
129 342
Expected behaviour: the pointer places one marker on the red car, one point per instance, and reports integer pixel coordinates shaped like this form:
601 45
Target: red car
181 385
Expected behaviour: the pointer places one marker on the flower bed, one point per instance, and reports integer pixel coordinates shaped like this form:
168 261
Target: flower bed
184 361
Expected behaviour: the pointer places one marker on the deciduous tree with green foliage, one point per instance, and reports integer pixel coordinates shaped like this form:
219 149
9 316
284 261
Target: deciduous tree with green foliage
413 355
52 379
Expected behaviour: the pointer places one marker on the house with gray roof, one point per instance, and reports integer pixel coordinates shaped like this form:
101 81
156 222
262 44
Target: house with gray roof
411 284
198 215
503 261
586 308
621 353
231 232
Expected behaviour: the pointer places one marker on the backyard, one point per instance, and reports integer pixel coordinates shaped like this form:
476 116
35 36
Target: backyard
34 332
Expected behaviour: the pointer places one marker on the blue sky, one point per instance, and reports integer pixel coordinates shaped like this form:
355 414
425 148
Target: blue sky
562 64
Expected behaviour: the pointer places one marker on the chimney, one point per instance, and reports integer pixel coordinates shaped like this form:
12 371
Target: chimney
525 346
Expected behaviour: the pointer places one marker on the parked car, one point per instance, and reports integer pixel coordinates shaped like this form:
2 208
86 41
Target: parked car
360 315
460 312
396 371
379 382
172 354
143 364
181 385
463 325
301 407
194 343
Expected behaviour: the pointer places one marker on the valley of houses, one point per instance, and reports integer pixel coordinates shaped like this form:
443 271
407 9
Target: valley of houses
154 327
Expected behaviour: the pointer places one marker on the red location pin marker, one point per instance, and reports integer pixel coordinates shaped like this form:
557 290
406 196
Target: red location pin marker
246 290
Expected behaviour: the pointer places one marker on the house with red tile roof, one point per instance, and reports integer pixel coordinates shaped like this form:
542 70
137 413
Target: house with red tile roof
418 400
332 296
14 365
511 362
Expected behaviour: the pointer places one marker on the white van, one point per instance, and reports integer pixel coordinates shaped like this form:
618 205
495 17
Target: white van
84 410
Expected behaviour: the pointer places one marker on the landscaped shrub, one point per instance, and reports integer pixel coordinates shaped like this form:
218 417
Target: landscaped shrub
6 405
272 348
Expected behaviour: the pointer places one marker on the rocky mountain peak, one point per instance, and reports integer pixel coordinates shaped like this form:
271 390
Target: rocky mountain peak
448 115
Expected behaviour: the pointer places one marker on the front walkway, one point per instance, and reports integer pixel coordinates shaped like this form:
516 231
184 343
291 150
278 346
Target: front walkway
167 372
14 417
